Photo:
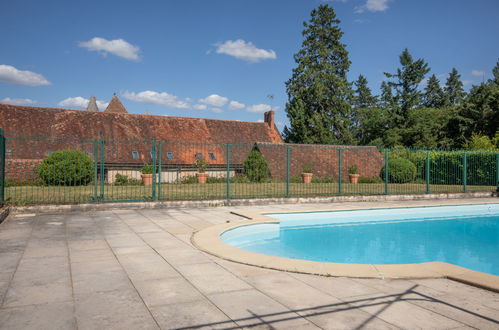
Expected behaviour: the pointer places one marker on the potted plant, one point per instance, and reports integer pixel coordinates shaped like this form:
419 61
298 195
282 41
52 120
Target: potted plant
201 164
146 175
307 172
353 174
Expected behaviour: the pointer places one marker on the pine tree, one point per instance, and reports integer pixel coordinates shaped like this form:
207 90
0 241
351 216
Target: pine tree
454 88
319 94
407 80
363 95
434 97
495 73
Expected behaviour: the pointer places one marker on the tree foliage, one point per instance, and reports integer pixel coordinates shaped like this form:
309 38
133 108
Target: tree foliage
319 94
324 107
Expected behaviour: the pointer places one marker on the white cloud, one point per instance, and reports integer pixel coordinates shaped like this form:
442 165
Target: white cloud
214 100
217 110
118 47
161 98
12 75
373 5
234 105
259 108
81 102
200 107
477 73
245 51
9 100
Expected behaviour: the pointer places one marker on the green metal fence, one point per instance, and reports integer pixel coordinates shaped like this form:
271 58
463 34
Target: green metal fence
42 170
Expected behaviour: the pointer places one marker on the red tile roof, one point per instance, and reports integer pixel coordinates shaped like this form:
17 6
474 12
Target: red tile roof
27 121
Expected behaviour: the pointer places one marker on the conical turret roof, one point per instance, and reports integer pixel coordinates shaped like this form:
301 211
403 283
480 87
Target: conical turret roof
116 106
92 104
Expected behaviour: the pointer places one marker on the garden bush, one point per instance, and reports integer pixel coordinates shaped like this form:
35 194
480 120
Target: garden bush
120 179
66 167
364 179
400 170
255 167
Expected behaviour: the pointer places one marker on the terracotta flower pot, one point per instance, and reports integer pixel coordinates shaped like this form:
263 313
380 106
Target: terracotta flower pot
202 177
354 178
307 177
146 179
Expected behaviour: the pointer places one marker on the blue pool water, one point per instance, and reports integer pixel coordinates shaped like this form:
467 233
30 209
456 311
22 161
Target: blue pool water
463 235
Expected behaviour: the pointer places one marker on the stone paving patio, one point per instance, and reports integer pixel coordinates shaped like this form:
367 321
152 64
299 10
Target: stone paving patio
136 269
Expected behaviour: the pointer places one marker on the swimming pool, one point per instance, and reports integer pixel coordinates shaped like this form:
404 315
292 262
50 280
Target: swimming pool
464 235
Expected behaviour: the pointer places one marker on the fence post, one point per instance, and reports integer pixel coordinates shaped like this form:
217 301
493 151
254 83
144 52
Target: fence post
387 161
160 169
102 175
427 170
227 161
340 171
2 167
465 171
288 169
153 185
96 169
497 172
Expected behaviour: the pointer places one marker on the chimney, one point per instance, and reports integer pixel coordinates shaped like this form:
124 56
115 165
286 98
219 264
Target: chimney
268 117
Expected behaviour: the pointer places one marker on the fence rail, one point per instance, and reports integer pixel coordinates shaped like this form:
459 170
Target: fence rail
38 170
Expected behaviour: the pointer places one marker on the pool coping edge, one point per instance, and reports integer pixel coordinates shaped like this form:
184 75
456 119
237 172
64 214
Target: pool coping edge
209 241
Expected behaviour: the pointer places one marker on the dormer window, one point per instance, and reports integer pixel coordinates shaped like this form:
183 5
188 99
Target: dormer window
199 155
212 156
169 155
135 154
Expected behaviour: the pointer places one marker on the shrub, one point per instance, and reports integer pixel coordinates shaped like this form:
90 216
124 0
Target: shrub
400 170
189 179
364 179
201 165
307 167
324 179
66 167
255 167
353 169
120 179
146 169
240 178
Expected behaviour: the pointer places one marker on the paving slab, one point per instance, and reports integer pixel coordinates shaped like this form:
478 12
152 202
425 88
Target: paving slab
197 314
46 316
252 308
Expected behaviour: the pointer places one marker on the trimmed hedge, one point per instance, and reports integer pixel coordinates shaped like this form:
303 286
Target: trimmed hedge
66 168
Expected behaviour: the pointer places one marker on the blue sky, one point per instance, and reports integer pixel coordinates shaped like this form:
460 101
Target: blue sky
221 59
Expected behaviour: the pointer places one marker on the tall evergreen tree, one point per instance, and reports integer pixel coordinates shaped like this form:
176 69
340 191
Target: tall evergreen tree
406 81
434 97
319 94
495 74
454 88
363 95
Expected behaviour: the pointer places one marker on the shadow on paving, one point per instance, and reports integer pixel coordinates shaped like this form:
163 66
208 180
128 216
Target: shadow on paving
259 319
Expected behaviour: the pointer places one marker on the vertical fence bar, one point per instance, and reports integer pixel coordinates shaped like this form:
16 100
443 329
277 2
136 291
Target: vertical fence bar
387 160
288 170
96 169
160 169
427 172
465 171
153 185
340 171
2 167
102 175
227 160
497 172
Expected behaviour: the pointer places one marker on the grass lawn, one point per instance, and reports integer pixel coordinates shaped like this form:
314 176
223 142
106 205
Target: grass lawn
80 194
